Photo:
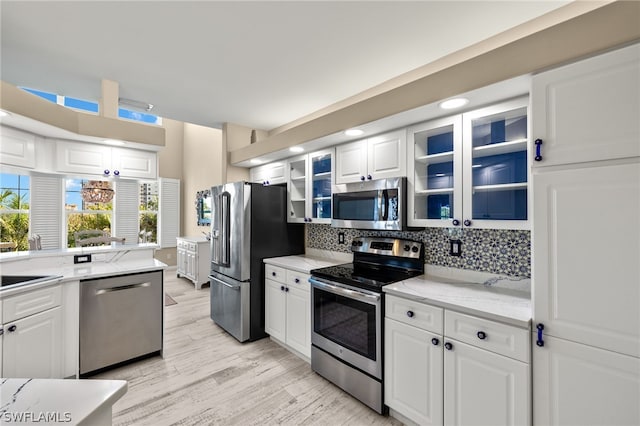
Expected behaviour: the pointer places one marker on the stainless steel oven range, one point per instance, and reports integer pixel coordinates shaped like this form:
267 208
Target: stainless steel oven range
347 313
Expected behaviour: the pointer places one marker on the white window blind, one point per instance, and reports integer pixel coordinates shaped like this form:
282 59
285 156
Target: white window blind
126 205
168 212
46 210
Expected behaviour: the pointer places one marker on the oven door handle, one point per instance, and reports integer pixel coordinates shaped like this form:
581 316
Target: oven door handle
372 299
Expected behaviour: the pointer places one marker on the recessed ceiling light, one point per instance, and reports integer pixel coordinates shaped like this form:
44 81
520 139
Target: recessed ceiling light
353 132
296 149
454 103
255 161
4 113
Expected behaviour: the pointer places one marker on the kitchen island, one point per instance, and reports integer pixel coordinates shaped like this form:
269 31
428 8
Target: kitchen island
50 401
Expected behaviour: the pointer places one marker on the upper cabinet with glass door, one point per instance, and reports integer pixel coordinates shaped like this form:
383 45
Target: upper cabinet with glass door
309 187
435 172
496 172
471 170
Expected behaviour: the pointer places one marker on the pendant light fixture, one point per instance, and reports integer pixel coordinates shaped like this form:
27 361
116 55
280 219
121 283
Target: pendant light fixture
97 191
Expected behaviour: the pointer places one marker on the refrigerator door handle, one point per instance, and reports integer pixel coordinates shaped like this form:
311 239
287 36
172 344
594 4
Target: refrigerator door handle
225 205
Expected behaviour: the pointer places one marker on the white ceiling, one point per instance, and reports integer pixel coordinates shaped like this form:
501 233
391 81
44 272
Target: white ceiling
259 64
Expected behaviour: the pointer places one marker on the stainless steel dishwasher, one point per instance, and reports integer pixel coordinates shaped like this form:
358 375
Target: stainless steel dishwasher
120 319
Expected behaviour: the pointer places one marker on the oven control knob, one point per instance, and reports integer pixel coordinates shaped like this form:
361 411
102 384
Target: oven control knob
415 249
407 248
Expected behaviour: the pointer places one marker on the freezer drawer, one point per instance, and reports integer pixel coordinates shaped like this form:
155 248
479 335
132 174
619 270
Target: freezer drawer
230 303
120 319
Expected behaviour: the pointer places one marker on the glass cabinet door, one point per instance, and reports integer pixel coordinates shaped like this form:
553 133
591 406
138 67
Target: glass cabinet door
435 173
496 165
321 170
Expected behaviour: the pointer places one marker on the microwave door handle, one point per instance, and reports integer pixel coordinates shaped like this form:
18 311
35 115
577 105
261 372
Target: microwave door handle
385 203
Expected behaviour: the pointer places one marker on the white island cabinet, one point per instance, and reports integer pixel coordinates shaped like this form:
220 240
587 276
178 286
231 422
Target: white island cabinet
33 343
586 242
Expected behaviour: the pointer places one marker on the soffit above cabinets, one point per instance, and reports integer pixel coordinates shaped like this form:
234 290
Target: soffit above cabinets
508 89
29 113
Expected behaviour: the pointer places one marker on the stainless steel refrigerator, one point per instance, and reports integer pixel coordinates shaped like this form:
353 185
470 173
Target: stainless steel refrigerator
249 224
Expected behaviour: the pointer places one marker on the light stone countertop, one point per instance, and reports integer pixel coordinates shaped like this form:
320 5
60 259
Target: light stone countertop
500 304
64 401
302 263
83 271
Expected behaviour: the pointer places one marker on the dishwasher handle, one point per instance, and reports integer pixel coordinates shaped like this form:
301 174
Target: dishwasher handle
121 288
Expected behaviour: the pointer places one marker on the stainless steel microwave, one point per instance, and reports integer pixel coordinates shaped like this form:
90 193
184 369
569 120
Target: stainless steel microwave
376 204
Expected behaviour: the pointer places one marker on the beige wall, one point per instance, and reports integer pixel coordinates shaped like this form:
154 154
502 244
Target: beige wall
203 165
235 137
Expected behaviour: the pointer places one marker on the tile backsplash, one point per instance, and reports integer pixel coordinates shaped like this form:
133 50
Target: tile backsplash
496 251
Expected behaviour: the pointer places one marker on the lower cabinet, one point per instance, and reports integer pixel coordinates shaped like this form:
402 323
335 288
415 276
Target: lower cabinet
288 308
435 374
32 342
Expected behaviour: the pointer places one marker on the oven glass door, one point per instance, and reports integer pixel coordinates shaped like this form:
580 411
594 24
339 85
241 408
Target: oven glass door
347 324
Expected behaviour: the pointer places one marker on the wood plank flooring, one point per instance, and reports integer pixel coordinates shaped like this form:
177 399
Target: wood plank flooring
207 377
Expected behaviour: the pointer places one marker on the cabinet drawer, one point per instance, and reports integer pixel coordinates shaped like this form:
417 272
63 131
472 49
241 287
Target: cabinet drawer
486 334
23 305
298 280
275 273
414 313
192 246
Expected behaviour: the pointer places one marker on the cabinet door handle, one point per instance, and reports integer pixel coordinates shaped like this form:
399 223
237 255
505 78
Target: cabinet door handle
369 177
286 289
297 280
410 314
448 346
455 222
481 335
1 331
12 328
106 172
467 222
538 156
282 288
273 274
435 341
116 172
540 340
361 177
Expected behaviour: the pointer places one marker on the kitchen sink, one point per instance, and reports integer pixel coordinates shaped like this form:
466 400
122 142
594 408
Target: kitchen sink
11 280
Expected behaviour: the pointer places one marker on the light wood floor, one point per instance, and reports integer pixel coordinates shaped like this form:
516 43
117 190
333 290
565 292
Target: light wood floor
207 377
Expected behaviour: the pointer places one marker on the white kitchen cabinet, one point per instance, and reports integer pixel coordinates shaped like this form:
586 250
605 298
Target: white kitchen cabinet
484 388
482 376
288 308
194 259
378 157
585 247
309 187
588 110
33 338
471 169
95 159
576 384
269 174
414 375
17 148
32 346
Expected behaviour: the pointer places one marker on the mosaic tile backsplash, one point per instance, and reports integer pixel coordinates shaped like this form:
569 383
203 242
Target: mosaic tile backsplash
496 251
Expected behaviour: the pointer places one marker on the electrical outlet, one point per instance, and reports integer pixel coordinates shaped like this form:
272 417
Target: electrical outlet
455 248
340 237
